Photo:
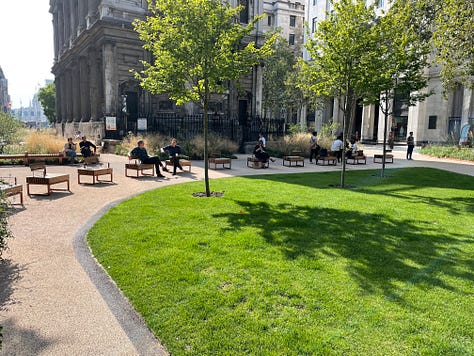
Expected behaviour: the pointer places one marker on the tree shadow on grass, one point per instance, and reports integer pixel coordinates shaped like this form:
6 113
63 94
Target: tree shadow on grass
381 252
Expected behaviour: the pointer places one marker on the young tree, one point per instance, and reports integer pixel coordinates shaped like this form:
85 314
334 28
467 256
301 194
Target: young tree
342 51
401 63
9 129
197 45
276 70
47 98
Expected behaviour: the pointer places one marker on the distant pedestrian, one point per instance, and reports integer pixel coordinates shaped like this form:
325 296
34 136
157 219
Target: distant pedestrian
313 146
411 145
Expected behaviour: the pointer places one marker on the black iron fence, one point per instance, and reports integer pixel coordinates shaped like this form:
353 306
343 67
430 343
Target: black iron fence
189 126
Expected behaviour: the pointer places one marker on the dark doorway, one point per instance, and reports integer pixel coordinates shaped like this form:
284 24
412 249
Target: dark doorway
376 122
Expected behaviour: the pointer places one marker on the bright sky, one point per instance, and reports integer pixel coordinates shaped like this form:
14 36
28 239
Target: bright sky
26 51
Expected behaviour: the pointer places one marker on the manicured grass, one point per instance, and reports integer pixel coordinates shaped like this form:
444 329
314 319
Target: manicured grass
288 265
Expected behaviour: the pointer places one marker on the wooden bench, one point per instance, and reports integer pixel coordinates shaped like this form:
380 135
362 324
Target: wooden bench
44 178
184 162
27 157
215 159
297 160
254 162
11 189
93 168
356 160
327 160
378 158
139 168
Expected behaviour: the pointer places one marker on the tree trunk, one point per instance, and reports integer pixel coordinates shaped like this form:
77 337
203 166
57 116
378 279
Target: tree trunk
206 129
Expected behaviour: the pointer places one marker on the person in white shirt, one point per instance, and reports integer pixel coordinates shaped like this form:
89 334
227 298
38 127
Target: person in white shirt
337 147
261 138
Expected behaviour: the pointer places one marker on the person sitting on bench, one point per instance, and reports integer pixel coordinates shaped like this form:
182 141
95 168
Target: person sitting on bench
85 147
352 152
260 153
174 152
140 152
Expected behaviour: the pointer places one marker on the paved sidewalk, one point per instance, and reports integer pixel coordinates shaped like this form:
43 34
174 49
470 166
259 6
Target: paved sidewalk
54 298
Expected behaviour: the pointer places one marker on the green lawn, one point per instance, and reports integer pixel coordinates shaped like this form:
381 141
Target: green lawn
288 265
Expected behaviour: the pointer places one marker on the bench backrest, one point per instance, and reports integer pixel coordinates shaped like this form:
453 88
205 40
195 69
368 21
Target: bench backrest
38 167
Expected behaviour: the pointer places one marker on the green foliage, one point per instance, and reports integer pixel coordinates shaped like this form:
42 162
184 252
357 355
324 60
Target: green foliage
283 265
278 95
47 98
449 152
197 48
5 232
453 38
402 58
10 128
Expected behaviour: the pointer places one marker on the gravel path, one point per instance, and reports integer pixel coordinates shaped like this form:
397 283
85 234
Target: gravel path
54 298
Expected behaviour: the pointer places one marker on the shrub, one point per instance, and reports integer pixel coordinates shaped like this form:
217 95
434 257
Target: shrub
289 143
449 152
4 230
43 141
217 144
153 143
193 148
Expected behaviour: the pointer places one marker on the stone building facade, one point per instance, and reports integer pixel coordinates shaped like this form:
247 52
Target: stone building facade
436 119
96 47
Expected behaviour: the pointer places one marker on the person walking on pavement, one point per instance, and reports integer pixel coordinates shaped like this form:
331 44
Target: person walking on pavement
411 145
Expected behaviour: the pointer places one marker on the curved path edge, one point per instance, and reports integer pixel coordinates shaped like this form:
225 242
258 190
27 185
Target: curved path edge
131 321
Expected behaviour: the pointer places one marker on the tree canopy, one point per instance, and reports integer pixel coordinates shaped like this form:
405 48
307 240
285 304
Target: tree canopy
357 55
47 98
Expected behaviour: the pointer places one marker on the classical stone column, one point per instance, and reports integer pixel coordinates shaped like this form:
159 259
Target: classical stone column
368 122
110 77
60 28
55 33
66 23
73 20
68 96
57 84
84 89
467 105
76 93
94 83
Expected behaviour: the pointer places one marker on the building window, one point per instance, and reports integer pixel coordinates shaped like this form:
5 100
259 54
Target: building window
269 20
432 122
292 20
381 3
314 24
291 39
314 2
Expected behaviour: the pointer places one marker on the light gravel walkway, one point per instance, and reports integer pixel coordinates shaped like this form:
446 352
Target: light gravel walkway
54 298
